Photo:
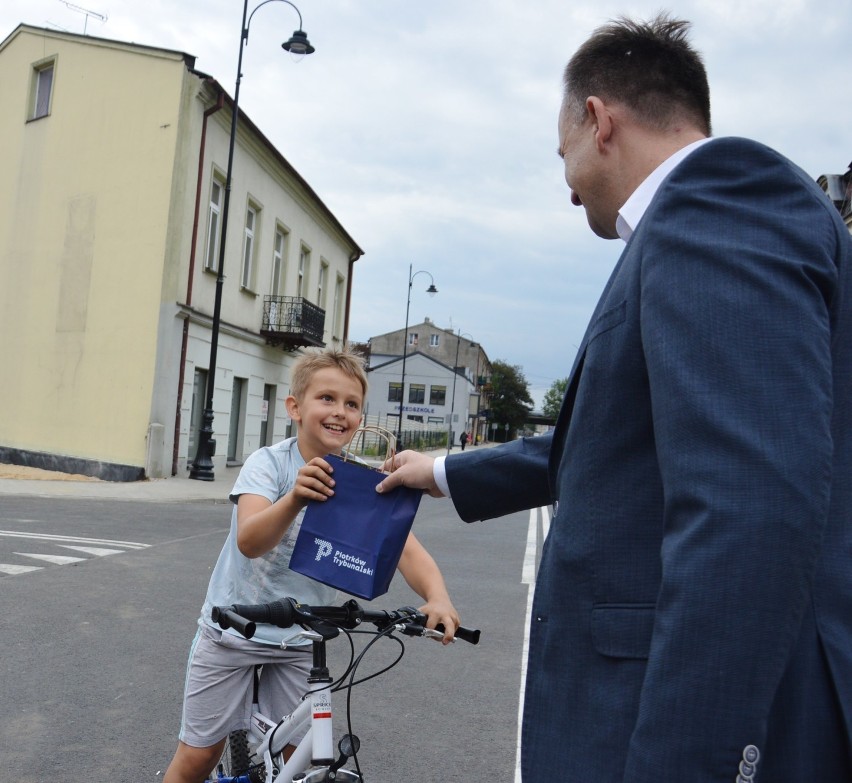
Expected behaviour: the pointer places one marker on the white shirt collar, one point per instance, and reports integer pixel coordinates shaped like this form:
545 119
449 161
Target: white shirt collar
631 212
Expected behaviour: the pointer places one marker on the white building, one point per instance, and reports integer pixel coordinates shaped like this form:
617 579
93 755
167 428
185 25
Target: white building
436 397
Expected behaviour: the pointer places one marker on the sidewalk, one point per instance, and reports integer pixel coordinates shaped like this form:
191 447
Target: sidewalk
32 482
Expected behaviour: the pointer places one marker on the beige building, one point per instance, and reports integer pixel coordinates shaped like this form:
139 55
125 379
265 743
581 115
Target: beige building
113 165
442 345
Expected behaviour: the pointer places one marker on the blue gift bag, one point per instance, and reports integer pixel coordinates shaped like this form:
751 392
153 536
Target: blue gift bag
353 540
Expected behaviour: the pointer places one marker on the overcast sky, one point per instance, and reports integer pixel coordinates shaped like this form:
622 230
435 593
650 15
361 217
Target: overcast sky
429 129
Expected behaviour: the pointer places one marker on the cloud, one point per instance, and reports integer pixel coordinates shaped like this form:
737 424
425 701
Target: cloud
430 130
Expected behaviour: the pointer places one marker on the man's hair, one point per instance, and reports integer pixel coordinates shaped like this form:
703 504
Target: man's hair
310 363
649 67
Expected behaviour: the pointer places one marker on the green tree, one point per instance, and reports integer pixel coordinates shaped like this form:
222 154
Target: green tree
553 398
510 397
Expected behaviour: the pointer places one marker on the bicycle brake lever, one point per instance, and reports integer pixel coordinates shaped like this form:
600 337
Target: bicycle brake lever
431 633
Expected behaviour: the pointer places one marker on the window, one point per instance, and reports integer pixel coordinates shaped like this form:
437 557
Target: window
304 269
412 338
417 393
267 415
42 89
434 340
278 256
437 395
213 230
236 428
323 274
248 247
394 391
336 313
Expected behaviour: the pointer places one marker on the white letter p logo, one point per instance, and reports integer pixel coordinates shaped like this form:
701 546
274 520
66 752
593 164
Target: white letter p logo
324 549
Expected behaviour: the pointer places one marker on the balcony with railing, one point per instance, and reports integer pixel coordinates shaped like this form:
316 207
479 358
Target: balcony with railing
292 322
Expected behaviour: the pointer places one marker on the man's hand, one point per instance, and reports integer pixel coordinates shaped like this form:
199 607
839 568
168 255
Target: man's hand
410 469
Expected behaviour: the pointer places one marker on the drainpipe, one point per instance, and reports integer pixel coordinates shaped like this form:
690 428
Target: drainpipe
220 101
352 259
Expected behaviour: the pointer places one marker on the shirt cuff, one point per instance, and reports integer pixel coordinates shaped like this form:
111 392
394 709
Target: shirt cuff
439 472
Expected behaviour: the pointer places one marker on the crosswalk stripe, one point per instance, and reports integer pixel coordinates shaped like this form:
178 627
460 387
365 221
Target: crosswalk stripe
72 539
13 570
55 559
93 550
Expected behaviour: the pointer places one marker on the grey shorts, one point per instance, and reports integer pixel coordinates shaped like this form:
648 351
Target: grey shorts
219 686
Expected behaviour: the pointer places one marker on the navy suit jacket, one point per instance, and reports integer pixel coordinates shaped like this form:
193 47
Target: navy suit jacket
693 609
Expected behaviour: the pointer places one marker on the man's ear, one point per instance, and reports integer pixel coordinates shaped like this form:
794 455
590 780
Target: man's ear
292 406
601 119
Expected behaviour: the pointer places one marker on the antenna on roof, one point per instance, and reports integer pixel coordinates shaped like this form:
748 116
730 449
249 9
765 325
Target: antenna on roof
86 11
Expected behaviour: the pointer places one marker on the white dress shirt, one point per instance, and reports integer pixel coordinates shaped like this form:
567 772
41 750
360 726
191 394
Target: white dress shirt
632 210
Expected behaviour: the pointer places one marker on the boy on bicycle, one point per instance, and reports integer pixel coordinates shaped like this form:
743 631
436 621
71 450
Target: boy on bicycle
270 495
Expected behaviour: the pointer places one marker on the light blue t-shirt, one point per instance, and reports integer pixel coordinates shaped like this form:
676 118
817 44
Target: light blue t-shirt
236 579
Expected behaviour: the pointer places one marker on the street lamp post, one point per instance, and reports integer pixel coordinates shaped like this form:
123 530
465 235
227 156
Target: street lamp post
453 401
431 290
299 46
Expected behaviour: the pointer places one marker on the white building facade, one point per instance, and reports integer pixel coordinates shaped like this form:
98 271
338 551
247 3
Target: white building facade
435 397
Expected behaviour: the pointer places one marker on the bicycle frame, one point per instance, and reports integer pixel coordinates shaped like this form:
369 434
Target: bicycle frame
316 748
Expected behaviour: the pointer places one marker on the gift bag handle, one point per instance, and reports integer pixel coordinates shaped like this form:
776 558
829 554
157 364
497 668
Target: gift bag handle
386 435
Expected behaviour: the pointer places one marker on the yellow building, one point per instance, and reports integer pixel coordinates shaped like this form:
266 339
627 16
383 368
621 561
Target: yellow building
113 166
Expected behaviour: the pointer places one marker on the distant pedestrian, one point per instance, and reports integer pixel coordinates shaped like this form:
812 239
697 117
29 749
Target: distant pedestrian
463 439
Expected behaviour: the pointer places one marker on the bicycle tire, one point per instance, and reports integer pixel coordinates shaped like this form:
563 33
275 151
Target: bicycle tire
238 751
236 759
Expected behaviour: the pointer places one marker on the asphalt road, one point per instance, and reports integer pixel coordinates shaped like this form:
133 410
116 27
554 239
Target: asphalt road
96 626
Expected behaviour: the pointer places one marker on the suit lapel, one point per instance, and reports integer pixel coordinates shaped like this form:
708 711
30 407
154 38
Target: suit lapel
566 410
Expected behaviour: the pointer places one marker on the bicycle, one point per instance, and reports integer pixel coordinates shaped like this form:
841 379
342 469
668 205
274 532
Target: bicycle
257 754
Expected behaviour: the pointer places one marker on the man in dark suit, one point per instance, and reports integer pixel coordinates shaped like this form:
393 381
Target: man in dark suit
692 619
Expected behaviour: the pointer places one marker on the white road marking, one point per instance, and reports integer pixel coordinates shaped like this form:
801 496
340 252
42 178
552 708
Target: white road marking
14 570
72 539
93 550
55 559
97 547
528 576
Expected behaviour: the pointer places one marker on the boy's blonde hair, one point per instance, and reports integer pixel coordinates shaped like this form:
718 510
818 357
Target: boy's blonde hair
311 362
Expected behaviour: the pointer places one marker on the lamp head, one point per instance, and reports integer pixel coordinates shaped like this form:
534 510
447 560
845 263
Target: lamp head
431 290
298 45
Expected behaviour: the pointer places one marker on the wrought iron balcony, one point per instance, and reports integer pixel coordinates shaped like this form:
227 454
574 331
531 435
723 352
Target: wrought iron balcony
292 322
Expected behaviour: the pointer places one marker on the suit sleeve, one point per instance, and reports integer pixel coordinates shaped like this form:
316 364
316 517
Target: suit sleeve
737 277
493 482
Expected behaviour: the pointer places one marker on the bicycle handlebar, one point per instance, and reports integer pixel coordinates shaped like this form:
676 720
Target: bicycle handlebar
286 613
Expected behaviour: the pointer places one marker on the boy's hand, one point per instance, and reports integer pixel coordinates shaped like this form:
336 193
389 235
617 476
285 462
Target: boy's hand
442 611
313 482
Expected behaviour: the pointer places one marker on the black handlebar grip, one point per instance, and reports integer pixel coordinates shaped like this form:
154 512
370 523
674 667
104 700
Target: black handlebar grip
465 634
280 613
225 618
